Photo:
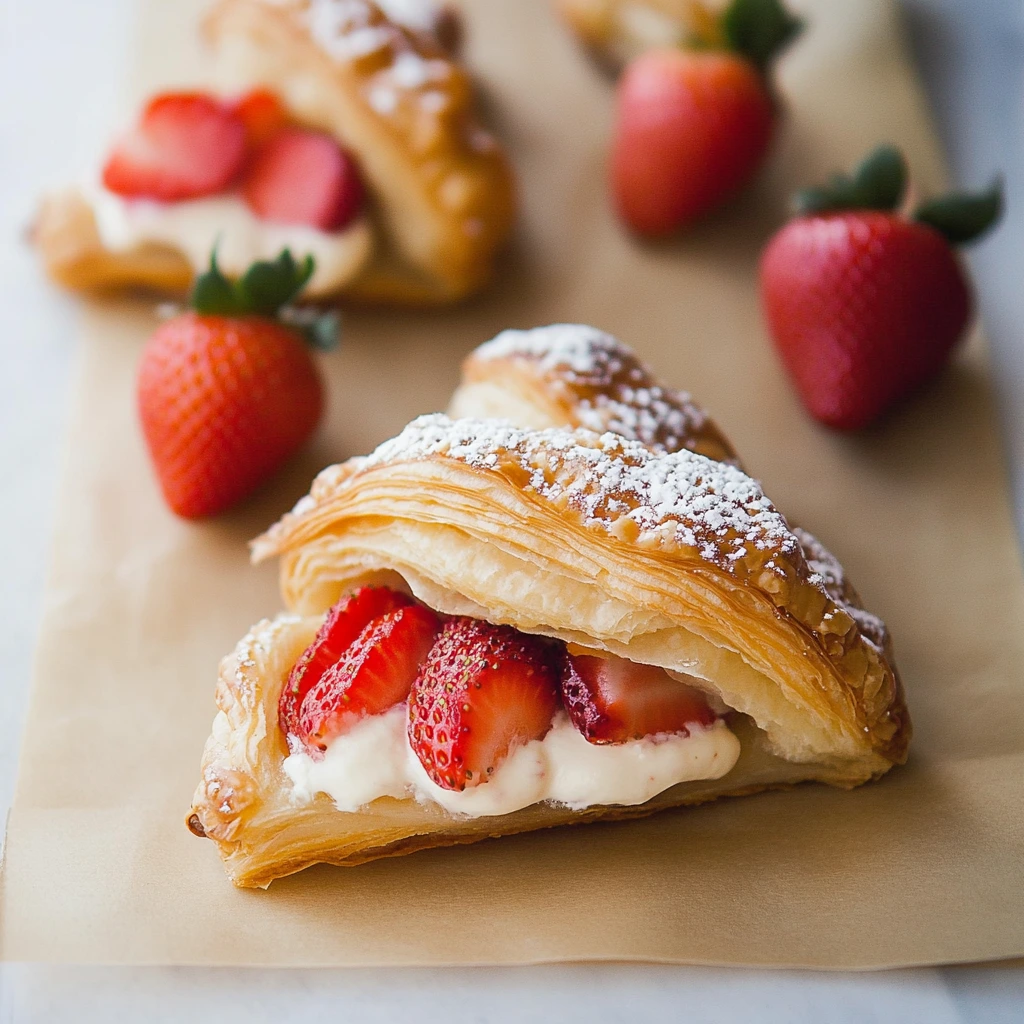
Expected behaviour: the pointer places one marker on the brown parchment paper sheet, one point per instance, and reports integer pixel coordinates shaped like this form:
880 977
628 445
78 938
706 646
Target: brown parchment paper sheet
926 866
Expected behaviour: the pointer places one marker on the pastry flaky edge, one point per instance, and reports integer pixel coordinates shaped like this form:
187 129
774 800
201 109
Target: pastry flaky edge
670 559
442 192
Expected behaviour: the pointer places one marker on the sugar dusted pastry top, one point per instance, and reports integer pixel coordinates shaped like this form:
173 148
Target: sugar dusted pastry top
586 378
676 516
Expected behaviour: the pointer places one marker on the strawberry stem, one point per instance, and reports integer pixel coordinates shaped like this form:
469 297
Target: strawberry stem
266 289
262 290
759 29
963 217
877 183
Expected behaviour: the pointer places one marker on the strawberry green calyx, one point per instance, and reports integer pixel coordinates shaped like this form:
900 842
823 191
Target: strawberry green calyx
759 29
878 183
962 217
266 289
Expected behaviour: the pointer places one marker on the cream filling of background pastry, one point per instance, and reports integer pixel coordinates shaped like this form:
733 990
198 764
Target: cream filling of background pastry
374 759
193 226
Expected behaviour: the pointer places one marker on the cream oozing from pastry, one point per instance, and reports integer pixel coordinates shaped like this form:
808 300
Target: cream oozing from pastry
374 759
194 226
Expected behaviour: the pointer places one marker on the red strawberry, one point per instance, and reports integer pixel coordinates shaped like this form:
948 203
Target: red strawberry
865 305
693 126
692 130
374 674
185 145
482 691
225 399
344 622
262 113
303 177
612 700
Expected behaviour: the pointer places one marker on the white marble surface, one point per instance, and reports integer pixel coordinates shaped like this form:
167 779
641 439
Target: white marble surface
57 99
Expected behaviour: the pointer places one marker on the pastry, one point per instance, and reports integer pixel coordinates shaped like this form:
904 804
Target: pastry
616 31
573 375
427 193
586 627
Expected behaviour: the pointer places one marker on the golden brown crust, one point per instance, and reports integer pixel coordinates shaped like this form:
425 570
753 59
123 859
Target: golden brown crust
441 189
573 375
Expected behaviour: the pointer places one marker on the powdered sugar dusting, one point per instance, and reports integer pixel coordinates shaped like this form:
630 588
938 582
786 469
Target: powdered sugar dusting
609 387
346 29
676 498
829 577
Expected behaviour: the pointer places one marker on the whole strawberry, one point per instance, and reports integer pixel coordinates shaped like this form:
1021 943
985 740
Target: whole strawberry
863 303
693 126
227 391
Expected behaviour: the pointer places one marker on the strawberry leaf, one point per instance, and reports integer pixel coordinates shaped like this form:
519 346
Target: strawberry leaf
963 216
213 292
759 29
267 285
877 183
261 291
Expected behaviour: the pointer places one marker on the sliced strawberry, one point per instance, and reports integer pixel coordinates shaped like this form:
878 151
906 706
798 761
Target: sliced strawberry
185 145
482 691
374 674
303 177
612 700
262 113
342 627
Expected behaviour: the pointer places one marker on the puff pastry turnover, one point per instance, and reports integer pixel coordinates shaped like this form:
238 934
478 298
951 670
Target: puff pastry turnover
608 547
381 79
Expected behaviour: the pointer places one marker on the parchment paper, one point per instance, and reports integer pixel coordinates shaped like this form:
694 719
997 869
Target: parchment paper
926 866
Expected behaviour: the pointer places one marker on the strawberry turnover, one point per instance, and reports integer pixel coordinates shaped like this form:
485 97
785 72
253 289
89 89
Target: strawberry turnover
196 170
392 699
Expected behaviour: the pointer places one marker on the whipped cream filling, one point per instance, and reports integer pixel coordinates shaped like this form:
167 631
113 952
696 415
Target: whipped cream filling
374 759
193 226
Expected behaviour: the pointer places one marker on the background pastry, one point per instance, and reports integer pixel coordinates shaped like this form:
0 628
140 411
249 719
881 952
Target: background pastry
573 375
616 31
435 195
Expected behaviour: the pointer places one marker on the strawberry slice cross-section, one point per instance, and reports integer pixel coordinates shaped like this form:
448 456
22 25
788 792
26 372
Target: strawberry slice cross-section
303 177
612 700
482 691
342 627
373 675
185 145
